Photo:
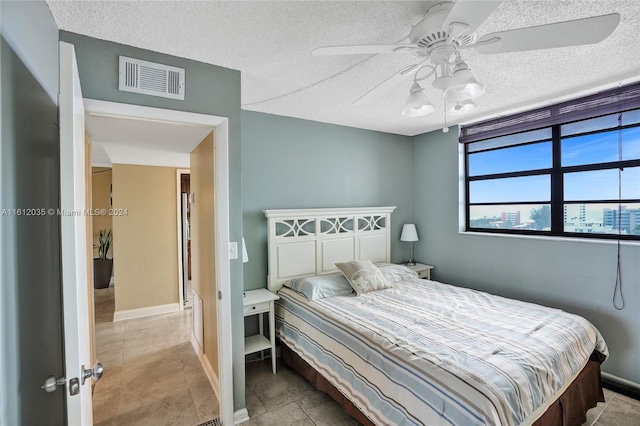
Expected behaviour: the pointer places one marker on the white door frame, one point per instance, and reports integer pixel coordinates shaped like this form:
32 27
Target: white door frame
221 212
73 239
181 265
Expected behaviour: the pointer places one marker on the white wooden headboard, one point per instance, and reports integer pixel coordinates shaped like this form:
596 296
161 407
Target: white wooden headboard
307 242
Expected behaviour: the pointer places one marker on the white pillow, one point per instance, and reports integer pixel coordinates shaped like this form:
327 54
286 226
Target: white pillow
321 286
395 273
363 276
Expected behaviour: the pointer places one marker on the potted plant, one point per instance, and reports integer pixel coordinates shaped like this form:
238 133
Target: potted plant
102 267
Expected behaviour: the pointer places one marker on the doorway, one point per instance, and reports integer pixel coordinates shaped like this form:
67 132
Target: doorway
184 237
104 109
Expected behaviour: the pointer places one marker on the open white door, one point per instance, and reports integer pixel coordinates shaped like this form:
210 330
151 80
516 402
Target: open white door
74 240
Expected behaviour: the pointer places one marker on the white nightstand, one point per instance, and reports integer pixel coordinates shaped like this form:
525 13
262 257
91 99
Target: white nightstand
257 302
424 271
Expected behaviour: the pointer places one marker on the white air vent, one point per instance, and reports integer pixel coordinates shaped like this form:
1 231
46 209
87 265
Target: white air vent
198 329
152 79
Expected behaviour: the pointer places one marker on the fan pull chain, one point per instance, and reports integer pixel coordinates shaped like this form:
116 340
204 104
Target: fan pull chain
445 129
618 284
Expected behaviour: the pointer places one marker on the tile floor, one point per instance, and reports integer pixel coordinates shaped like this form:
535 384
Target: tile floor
152 374
287 395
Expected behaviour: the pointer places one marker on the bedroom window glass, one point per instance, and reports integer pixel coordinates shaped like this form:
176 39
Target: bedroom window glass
579 178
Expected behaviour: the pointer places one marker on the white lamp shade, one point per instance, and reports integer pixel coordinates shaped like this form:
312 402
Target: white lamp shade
409 232
245 255
463 85
417 104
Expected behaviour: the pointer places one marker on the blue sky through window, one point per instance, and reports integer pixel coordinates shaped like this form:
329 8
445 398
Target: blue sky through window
519 158
580 150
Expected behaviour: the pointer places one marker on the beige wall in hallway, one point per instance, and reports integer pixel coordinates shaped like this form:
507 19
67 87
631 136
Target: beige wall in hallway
100 199
203 271
145 252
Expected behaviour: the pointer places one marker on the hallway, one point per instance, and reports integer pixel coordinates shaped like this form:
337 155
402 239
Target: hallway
152 375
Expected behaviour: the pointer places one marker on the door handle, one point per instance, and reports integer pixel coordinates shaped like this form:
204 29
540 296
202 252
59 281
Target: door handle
52 383
95 372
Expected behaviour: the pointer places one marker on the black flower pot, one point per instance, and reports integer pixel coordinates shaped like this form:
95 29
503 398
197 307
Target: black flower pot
102 269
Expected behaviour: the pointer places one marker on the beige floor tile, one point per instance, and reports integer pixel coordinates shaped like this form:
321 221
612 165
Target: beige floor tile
206 402
105 404
253 404
620 412
175 408
324 411
257 371
151 382
627 399
284 387
145 353
290 414
146 369
110 358
180 319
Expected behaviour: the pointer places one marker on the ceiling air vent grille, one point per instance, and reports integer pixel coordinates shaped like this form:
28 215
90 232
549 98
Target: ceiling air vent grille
150 78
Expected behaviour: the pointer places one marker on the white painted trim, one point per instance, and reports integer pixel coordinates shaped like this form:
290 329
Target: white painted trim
206 365
223 269
221 178
179 173
73 236
145 312
621 381
136 112
240 416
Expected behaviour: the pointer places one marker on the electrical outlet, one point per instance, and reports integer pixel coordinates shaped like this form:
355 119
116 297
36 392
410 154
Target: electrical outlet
233 250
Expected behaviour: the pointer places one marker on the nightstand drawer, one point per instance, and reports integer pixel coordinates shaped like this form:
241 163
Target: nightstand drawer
256 308
425 274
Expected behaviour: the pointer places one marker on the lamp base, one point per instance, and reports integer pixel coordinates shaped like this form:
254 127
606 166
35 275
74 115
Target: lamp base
410 262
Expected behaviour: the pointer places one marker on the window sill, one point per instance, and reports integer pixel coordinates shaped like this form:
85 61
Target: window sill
550 238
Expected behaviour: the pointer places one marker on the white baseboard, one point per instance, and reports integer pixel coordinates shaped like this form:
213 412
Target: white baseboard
146 312
206 365
621 381
240 416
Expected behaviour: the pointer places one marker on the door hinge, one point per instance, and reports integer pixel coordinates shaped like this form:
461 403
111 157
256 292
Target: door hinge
219 295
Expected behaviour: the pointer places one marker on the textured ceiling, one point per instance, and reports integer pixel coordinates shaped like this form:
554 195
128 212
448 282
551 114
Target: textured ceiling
270 43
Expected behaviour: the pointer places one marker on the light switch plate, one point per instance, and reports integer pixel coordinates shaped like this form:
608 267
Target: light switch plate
233 250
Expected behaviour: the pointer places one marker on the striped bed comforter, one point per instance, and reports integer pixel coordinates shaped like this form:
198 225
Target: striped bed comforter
429 353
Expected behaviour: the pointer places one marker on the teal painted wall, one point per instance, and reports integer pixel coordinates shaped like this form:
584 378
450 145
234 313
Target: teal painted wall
574 275
293 163
209 90
31 339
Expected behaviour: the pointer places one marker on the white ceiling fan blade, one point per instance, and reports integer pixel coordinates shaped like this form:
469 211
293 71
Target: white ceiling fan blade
362 49
561 34
388 84
470 12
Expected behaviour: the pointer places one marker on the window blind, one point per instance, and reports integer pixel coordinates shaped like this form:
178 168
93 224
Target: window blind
608 102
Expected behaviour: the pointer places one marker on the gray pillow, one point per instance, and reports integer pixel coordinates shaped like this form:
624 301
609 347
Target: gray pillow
363 276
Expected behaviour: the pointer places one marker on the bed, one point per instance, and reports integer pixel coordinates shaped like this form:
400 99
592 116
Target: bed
421 352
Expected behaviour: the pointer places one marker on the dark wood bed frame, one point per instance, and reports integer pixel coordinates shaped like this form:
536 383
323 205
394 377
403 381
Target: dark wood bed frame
568 410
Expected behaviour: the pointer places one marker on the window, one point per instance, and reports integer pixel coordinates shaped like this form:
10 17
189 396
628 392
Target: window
578 178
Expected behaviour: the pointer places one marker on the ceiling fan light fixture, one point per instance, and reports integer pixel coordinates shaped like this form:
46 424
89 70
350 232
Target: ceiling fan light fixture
463 107
463 92
418 104
463 85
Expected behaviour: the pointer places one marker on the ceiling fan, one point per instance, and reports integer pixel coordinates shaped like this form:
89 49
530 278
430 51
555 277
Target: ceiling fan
448 29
